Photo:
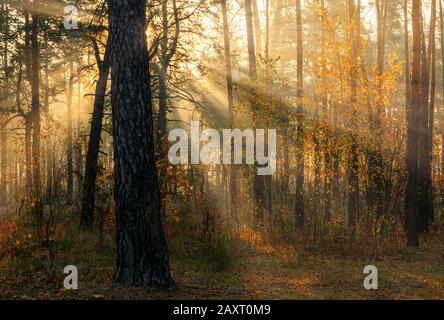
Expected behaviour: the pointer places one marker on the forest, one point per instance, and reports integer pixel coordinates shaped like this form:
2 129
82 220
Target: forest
221 149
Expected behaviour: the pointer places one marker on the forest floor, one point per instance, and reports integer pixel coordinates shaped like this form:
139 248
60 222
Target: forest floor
255 274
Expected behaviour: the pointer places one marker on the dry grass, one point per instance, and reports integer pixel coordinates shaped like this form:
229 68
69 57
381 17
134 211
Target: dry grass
270 272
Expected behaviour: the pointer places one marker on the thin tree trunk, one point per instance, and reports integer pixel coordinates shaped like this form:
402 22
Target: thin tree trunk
163 104
407 57
431 112
300 175
165 59
352 179
49 155
35 105
442 63
277 28
79 160
28 156
267 29
257 27
327 190
423 134
259 181
375 162
69 153
28 116
4 133
92 154
229 77
411 196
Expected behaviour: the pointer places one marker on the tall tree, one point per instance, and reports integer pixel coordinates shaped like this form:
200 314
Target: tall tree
407 55
257 27
142 254
425 136
79 156
352 178
441 20
27 116
326 114
69 149
259 181
411 196
5 101
300 175
35 107
375 185
167 53
430 216
230 99
92 153
49 154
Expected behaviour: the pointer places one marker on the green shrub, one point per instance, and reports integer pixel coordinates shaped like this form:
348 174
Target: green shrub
218 255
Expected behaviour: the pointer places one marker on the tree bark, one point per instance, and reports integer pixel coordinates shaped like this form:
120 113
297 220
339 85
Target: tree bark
352 179
92 154
375 161
230 100
411 196
142 254
431 118
35 106
442 63
79 157
407 56
49 155
6 99
69 166
257 27
300 165
165 60
259 181
423 192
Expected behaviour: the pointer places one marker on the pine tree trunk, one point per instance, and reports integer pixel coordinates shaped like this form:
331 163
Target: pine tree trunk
5 102
163 69
28 156
79 157
35 109
407 56
49 155
431 112
165 60
92 154
69 167
257 27
300 175
142 254
411 196
352 179
423 134
442 63
375 161
277 26
259 181
230 100
327 190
